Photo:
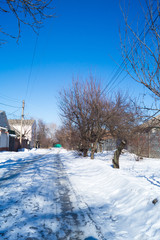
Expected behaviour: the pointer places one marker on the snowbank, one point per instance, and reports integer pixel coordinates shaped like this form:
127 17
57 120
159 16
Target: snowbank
120 199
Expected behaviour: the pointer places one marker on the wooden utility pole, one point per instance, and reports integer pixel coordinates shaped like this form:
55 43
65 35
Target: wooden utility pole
22 118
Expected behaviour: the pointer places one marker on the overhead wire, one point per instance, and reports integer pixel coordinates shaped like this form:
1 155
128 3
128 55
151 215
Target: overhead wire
9 105
122 66
5 97
31 67
117 77
125 66
13 114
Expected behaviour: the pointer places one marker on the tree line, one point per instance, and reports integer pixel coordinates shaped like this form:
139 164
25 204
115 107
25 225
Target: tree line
89 114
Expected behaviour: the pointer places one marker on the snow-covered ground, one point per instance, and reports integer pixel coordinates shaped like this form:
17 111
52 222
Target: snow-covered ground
113 204
120 199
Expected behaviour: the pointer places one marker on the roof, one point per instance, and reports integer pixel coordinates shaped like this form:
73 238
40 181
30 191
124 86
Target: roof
18 122
3 120
107 136
152 123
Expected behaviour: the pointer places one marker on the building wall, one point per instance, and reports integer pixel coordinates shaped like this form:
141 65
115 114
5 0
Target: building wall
154 143
28 131
14 143
4 140
146 144
109 145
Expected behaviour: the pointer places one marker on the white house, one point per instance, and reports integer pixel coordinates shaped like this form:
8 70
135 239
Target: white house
4 135
28 130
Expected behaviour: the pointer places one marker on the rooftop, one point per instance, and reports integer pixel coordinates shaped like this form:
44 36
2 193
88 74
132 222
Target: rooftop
18 122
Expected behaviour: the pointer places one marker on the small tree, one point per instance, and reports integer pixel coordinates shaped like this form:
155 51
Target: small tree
51 130
42 135
123 119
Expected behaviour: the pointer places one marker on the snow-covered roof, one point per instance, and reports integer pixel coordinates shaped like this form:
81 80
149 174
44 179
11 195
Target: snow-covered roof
18 122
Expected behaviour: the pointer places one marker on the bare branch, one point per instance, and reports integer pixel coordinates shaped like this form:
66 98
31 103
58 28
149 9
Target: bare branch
28 12
141 51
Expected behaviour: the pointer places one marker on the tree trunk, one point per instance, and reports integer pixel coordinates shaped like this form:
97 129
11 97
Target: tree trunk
92 153
85 151
93 149
100 147
117 154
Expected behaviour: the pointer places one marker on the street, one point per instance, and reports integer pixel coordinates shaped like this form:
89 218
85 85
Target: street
37 201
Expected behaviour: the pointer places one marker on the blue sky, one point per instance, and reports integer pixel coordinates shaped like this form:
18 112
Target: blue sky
82 38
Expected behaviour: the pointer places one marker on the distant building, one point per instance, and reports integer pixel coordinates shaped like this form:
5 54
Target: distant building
4 134
28 131
146 142
107 143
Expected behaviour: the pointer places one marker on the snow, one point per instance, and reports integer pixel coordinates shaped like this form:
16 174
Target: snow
114 204
120 199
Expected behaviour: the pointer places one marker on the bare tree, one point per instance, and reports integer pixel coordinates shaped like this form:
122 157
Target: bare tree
83 106
31 13
68 137
140 45
43 138
51 130
122 122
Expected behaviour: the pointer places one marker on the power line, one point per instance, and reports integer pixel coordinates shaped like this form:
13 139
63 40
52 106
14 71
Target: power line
9 105
5 97
13 113
122 66
137 43
31 67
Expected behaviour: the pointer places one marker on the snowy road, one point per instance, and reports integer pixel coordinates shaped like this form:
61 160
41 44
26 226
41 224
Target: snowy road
37 202
51 195
75 218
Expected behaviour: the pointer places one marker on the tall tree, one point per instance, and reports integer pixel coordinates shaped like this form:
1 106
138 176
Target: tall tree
83 106
123 120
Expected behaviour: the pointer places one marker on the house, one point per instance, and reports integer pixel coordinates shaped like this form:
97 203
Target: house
4 134
146 142
108 143
28 131
14 143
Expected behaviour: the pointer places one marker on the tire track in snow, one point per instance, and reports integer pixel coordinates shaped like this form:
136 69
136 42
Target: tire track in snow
85 211
70 220
19 166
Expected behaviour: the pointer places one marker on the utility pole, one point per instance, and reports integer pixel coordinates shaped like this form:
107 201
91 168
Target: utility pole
22 117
